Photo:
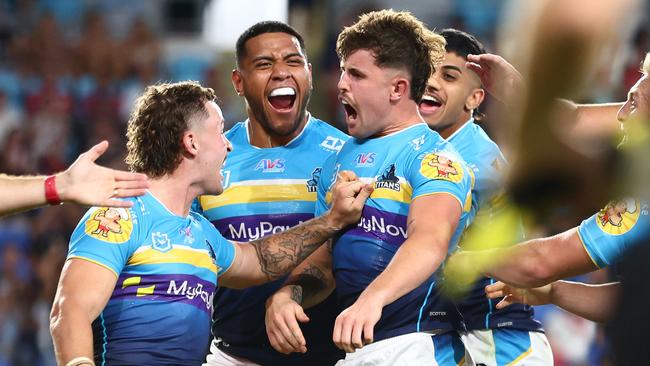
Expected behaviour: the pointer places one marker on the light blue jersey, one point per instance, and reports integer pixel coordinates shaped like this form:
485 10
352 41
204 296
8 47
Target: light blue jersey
267 191
608 234
403 166
485 159
166 268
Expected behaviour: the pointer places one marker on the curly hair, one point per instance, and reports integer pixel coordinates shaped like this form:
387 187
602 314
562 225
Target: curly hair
160 117
397 40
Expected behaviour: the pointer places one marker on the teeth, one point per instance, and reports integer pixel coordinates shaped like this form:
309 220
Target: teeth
430 98
344 102
282 91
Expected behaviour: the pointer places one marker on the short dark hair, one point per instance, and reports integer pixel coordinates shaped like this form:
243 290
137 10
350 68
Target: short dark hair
162 114
462 43
397 39
267 26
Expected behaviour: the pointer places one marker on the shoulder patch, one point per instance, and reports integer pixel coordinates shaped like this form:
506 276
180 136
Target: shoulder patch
437 166
112 225
619 217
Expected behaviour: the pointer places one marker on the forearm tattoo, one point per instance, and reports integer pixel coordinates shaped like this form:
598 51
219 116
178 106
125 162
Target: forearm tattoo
280 253
296 294
311 281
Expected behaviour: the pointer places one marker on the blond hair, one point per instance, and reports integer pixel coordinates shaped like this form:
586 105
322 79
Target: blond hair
645 69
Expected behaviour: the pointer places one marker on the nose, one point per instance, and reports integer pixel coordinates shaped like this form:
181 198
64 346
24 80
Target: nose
624 112
280 71
342 85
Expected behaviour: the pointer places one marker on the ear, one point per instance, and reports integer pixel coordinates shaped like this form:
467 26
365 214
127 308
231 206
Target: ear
190 143
237 82
475 99
399 89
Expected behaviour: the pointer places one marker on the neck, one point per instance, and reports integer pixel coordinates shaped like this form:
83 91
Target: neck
261 137
449 130
401 117
174 192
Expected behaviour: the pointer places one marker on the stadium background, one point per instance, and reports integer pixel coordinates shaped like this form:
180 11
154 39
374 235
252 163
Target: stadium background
70 70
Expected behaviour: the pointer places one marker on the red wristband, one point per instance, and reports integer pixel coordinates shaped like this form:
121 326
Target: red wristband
51 195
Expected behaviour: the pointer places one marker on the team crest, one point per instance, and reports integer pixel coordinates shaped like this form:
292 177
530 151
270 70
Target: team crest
160 242
388 179
618 217
112 225
437 166
312 183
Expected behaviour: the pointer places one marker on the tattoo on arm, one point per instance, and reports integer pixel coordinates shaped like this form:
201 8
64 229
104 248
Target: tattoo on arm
296 294
280 253
308 283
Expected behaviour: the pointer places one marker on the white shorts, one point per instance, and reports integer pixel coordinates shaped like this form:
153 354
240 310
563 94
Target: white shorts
217 357
500 347
414 349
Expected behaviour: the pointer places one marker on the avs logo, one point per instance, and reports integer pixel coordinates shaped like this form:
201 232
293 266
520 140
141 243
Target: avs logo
417 143
271 165
161 242
388 179
312 183
365 160
332 143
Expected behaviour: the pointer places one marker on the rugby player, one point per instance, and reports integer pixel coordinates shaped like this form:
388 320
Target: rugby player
271 178
138 284
384 278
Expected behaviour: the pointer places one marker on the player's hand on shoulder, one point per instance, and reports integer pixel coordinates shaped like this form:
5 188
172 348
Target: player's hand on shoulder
349 195
281 319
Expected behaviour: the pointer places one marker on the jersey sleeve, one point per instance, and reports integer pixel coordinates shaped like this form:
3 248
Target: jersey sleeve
225 251
613 230
105 236
441 172
325 183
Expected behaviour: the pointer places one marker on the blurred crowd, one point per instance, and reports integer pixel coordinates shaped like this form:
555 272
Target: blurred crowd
69 73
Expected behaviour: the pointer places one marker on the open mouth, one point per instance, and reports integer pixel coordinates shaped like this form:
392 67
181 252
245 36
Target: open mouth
350 112
282 99
429 104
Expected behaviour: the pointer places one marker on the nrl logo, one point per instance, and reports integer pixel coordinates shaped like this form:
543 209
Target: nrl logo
161 242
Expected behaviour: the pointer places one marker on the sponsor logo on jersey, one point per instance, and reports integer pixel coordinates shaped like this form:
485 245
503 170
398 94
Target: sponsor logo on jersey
379 225
619 217
332 143
312 183
437 166
365 160
160 242
271 165
388 179
417 143
191 291
243 232
112 225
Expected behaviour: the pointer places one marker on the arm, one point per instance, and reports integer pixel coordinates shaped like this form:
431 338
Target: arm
502 80
530 264
273 256
308 284
76 305
415 261
84 182
594 302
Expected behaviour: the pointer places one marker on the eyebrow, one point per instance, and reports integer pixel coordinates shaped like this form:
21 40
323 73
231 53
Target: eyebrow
452 67
271 58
